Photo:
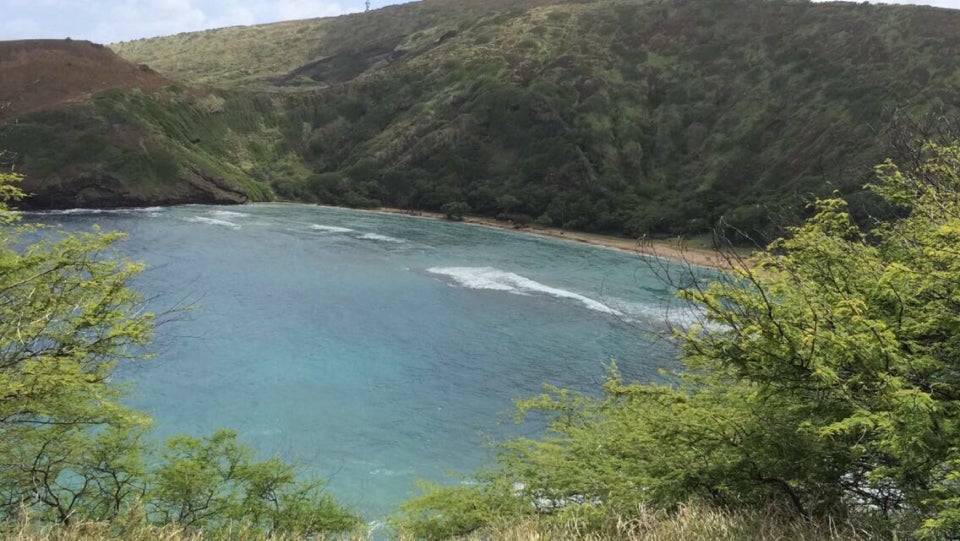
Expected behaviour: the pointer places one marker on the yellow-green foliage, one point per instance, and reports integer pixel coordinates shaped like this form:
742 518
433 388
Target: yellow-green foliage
824 382
71 452
243 52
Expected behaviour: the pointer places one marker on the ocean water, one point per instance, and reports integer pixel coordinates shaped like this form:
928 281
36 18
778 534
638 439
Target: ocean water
374 350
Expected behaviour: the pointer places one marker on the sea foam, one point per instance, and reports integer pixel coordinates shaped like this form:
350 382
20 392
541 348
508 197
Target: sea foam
73 211
489 278
381 238
675 314
330 228
121 210
213 221
228 214
134 210
500 280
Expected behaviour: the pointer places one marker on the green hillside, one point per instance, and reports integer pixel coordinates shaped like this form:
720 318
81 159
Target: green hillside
623 116
91 129
271 54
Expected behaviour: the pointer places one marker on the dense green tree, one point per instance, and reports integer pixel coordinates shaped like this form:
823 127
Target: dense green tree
455 210
823 378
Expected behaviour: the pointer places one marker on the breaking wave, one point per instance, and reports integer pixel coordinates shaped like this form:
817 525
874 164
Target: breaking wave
74 211
228 214
213 221
489 278
675 314
499 280
381 238
330 228
123 210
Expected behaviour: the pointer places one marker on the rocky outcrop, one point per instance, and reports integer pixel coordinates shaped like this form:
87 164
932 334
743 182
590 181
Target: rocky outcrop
102 190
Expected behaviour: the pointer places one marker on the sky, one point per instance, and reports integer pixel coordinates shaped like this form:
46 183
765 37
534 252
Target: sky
108 21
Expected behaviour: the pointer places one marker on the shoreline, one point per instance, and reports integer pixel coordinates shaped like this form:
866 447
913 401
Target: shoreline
672 250
675 250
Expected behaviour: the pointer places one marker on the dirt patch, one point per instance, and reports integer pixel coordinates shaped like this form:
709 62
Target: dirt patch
47 74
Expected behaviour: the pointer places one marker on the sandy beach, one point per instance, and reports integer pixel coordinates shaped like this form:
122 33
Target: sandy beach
674 250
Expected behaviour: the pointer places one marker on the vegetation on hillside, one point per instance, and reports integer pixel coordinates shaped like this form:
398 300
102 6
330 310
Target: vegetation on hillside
135 148
298 52
71 451
623 116
92 129
823 381
620 116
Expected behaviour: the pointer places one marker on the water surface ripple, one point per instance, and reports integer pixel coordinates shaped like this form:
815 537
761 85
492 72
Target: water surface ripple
372 349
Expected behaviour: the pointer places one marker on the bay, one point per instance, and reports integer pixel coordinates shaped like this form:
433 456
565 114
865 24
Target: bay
374 349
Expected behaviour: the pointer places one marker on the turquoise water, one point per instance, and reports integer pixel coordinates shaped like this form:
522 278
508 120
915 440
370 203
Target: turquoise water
373 349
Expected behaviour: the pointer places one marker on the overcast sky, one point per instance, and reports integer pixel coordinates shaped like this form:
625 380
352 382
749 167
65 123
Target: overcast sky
107 21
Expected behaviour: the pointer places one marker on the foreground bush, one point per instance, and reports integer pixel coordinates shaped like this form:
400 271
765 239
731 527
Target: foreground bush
825 380
70 451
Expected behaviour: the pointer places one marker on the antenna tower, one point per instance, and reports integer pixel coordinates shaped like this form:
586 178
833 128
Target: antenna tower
368 5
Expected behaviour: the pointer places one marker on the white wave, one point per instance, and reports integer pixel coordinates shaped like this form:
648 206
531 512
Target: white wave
381 238
330 228
133 210
675 314
121 210
74 211
499 280
213 221
228 214
136 210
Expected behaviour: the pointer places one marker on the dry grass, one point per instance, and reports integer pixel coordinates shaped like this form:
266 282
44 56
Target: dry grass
98 532
690 523
28 530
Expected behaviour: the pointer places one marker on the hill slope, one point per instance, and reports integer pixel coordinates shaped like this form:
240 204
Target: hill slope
631 116
44 74
628 116
338 47
69 115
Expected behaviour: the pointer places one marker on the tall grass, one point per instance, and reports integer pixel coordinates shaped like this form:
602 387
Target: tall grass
98 531
689 523
692 522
